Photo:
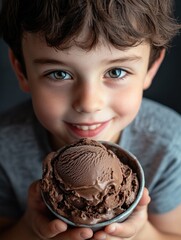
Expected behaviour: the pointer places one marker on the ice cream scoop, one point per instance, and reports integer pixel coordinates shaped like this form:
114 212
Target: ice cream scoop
88 183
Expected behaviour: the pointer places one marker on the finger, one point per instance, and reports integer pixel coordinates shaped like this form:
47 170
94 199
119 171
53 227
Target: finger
42 224
130 227
101 235
34 195
45 228
145 198
122 230
76 234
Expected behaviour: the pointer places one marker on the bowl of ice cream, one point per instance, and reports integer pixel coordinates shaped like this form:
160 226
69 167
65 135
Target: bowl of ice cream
92 184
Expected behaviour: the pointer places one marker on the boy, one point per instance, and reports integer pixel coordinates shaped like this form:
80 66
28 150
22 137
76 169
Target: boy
86 64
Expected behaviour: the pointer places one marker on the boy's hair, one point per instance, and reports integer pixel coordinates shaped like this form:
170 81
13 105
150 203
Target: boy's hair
122 23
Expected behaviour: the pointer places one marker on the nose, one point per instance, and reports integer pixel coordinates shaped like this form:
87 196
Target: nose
88 98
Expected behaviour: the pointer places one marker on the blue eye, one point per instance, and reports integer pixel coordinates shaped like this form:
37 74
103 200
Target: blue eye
59 75
116 73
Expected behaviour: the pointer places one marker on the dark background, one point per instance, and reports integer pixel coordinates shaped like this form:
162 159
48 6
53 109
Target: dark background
166 87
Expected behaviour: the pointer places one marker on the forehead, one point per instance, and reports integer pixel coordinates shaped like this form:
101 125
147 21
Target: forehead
34 45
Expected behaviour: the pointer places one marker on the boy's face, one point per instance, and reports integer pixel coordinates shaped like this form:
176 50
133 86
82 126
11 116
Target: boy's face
79 93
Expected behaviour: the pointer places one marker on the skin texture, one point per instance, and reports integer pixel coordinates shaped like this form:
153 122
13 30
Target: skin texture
86 94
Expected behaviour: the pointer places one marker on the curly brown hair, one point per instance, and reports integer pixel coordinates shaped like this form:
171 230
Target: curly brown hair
122 23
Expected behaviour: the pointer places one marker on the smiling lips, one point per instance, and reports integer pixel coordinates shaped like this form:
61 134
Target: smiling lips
87 130
87 127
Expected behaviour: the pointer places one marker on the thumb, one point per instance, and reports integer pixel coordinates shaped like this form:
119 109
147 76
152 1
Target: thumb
34 195
145 200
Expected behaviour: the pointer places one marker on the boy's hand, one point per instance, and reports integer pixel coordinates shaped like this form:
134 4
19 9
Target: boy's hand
131 227
42 226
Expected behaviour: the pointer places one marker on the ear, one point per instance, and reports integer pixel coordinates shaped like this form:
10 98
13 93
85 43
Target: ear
153 69
23 82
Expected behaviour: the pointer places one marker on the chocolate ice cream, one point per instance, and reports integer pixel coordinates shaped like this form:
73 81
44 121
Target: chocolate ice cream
87 183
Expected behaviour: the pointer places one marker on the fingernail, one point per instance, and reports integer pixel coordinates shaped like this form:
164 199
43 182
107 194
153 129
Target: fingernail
111 229
103 237
85 235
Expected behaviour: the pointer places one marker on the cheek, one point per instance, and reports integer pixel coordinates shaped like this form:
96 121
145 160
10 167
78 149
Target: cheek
50 102
127 104
49 108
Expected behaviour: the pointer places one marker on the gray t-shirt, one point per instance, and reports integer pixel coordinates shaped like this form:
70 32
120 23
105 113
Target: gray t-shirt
154 137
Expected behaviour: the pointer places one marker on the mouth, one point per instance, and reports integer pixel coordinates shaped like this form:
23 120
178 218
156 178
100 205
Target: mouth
87 129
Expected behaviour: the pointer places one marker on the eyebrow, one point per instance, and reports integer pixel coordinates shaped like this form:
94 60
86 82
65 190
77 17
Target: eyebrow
47 61
54 61
125 59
